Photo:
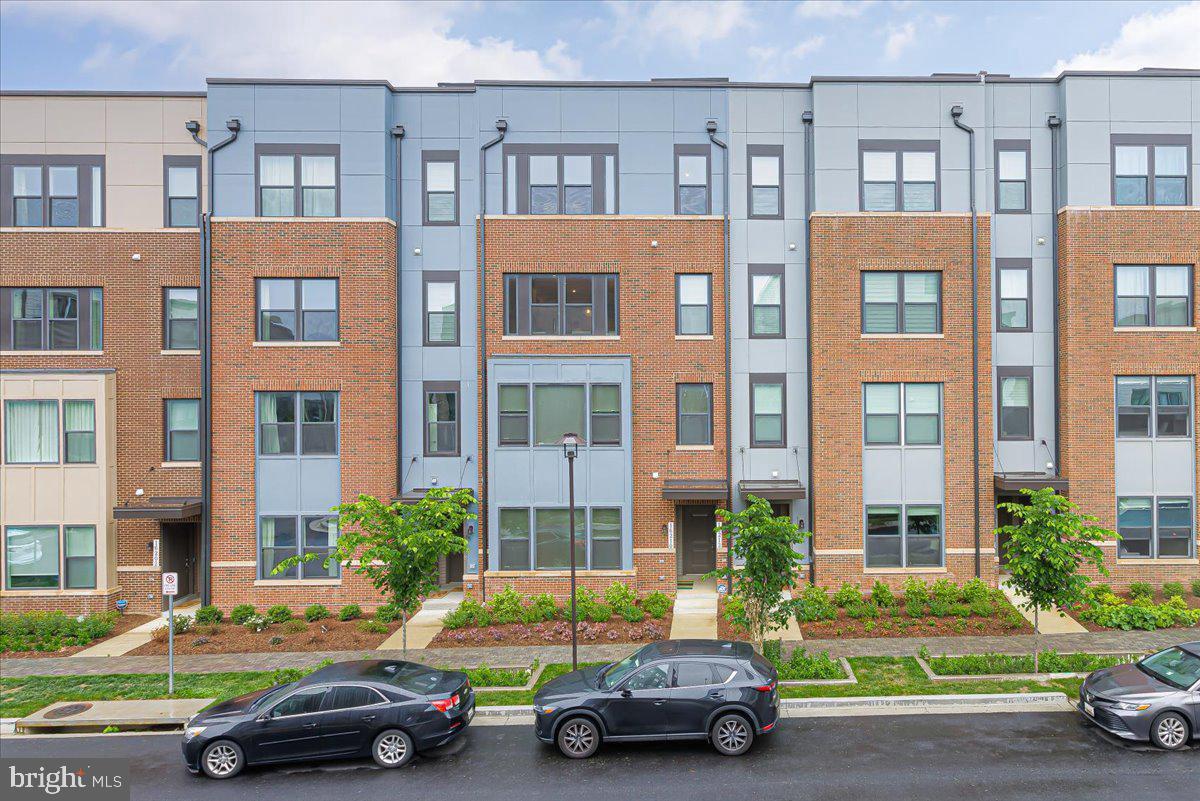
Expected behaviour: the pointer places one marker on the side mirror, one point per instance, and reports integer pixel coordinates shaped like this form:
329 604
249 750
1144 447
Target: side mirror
627 693
263 718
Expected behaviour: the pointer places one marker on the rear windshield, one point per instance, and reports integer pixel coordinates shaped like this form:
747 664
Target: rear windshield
413 678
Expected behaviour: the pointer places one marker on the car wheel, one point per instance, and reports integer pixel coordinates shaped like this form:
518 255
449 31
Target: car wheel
1169 731
392 749
578 738
732 735
222 759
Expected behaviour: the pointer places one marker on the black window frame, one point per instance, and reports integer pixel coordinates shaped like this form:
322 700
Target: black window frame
301 520
768 379
901 304
168 450
168 338
67 432
85 189
298 424
518 304
1152 411
1013 146
181 162
605 415
298 309
679 305
899 147
1003 373
679 414
526 414
1153 298
1150 141
902 414
516 156
86 301
439 157
903 533
763 151
1014 265
440 277
756 271
297 151
694 150
1154 534
454 389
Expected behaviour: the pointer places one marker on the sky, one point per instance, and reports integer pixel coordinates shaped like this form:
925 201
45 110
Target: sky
176 45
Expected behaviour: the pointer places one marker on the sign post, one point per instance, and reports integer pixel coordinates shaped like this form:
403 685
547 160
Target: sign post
170 588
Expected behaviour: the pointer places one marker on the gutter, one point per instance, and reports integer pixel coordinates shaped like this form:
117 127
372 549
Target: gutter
398 134
807 119
234 125
711 127
1054 122
501 129
956 112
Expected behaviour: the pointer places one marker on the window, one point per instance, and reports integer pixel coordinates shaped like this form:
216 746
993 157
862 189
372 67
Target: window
1153 528
766 301
561 305
27 196
597 547
765 187
514 539
694 674
79 431
54 318
182 429
297 309
1012 176
181 180
902 303
560 179
313 168
694 414
693 304
606 414
693 174
552 546
41 190
899 175
1153 295
606 539
1014 403
181 318
351 697
302 702
286 536
441 308
315 430
558 409
768 421
31 558
31 431
441 418
514 414
1151 169
79 557
904 536
64 196
885 422
1154 407
440 174
1014 290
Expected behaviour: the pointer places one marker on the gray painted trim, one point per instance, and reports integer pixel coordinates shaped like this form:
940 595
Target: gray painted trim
1008 145
83 185
440 277
598 152
1151 311
1013 372
753 270
296 151
181 161
762 150
1015 264
442 386
899 147
678 305
694 150
1149 140
769 378
439 156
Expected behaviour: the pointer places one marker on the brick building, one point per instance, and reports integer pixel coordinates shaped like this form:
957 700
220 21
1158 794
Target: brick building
883 304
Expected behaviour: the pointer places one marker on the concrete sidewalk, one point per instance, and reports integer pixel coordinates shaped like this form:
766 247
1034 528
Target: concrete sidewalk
136 637
425 624
1049 621
695 615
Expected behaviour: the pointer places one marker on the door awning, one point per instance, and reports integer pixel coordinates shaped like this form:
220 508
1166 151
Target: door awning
413 495
1015 482
695 489
774 490
160 508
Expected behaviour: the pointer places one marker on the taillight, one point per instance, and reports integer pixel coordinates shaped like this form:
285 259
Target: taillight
765 688
445 704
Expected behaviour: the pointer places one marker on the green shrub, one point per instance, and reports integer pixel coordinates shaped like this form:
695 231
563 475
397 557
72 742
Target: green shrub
983 608
209 615
585 599
960 610
372 626
484 676
256 623
52 631
631 613
847 594
278 613
1196 588
350 612
916 592
814 604
939 608
1141 589
945 591
975 590
618 595
288 675
315 612
1049 662
733 609
881 595
801 666
241 613
657 604
388 613
773 651
863 610
294 626
506 606
599 612
1097 592
468 613
544 605
1141 613
914 609
181 623
1172 589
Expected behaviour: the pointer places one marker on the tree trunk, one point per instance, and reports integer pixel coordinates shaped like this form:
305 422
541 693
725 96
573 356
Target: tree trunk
1036 635
404 633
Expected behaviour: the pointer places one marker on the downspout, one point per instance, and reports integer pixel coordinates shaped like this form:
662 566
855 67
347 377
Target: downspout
482 528
711 127
398 133
807 119
234 125
1054 122
956 112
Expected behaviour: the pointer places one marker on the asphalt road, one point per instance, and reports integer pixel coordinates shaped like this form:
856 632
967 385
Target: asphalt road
1043 756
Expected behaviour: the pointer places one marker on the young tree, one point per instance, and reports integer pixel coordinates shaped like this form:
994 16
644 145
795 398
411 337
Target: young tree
397 546
768 547
1048 542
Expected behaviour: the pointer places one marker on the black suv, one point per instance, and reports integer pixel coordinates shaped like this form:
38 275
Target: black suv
713 690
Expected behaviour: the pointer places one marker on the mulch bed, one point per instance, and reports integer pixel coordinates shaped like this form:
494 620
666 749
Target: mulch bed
558 632
123 624
226 638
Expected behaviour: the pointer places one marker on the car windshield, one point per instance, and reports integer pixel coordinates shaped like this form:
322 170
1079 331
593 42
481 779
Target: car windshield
1173 666
612 675
271 694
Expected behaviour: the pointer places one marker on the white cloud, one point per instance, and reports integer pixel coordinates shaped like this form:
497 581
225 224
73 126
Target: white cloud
774 63
1169 38
832 9
899 39
410 44
678 25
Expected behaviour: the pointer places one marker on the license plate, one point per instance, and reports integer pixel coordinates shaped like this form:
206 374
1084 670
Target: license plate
1091 710
470 714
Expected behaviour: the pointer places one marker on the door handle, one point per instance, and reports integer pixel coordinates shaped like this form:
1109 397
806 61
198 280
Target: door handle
368 718
660 701
715 694
311 725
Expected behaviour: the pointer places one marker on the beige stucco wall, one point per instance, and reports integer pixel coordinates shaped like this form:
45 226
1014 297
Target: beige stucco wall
132 133
65 494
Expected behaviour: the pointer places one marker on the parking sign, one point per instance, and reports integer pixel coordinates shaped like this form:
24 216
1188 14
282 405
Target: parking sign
170 583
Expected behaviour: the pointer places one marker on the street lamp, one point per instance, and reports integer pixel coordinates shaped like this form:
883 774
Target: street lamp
570 446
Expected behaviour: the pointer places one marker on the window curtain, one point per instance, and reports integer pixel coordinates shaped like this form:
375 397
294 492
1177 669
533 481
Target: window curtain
79 416
1133 281
31 431
268 413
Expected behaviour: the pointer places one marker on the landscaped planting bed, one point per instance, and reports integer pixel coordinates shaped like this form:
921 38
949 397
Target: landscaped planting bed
30 635
801 665
1145 607
510 618
999 664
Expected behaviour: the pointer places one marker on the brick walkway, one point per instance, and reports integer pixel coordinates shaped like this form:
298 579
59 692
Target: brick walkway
520 656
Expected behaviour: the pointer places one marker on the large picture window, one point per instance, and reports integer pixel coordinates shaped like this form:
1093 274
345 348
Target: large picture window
567 305
902 302
285 536
539 538
306 419
1154 407
297 309
560 179
904 536
1151 169
908 413
899 175
297 180
32 557
31 431
51 318
51 191
1155 528
559 409
1158 295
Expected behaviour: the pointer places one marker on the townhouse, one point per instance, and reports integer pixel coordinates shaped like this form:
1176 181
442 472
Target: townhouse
883 304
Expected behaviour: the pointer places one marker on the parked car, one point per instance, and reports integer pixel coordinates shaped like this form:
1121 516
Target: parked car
386 709
1155 699
713 690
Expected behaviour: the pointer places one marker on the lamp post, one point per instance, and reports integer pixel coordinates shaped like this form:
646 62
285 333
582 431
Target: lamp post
570 446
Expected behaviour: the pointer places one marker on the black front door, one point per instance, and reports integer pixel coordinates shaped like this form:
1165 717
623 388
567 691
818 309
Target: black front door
179 549
454 568
698 539
639 708
1003 518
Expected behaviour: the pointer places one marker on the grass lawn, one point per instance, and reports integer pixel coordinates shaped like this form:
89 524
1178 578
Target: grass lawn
903 676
